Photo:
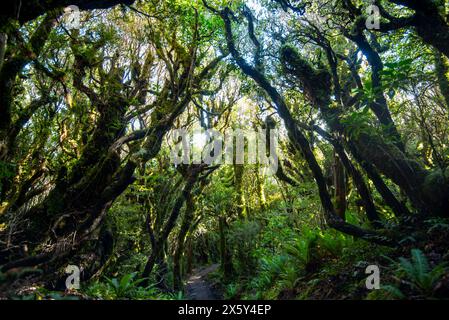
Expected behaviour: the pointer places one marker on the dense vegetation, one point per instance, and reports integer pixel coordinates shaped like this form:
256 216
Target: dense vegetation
87 137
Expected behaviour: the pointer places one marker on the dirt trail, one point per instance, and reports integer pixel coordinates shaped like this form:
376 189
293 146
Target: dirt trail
198 288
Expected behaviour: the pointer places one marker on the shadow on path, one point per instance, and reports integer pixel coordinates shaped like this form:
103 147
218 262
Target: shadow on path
198 288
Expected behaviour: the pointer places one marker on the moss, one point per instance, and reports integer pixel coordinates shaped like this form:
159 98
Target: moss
315 82
435 187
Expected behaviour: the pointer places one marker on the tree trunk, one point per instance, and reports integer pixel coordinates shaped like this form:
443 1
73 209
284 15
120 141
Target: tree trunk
298 140
442 71
178 271
240 196
226 256
340 187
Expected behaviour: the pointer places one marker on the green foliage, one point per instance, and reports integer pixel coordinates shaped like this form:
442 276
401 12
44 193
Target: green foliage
7 170
437 224
232 291
395 73
119 78
44 294
126 287
285 256
243 239
357 122
391 292
417 275
301 248
314 245
418 271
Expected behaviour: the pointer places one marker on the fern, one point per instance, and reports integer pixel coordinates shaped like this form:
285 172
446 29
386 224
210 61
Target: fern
126 286
231 291
394 292
418 271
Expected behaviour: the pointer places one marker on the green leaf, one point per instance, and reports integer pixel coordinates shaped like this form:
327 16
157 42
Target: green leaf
394 291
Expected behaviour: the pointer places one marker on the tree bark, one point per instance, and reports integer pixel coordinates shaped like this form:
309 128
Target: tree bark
178 271
298 140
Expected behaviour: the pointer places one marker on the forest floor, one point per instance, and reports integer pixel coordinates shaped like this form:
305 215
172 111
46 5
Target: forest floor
198 287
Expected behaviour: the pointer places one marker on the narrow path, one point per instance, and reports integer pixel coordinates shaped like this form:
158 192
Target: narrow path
198 288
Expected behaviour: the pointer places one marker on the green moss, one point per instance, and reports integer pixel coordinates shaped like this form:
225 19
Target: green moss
315 82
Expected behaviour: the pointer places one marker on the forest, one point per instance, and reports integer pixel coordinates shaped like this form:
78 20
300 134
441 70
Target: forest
224 150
